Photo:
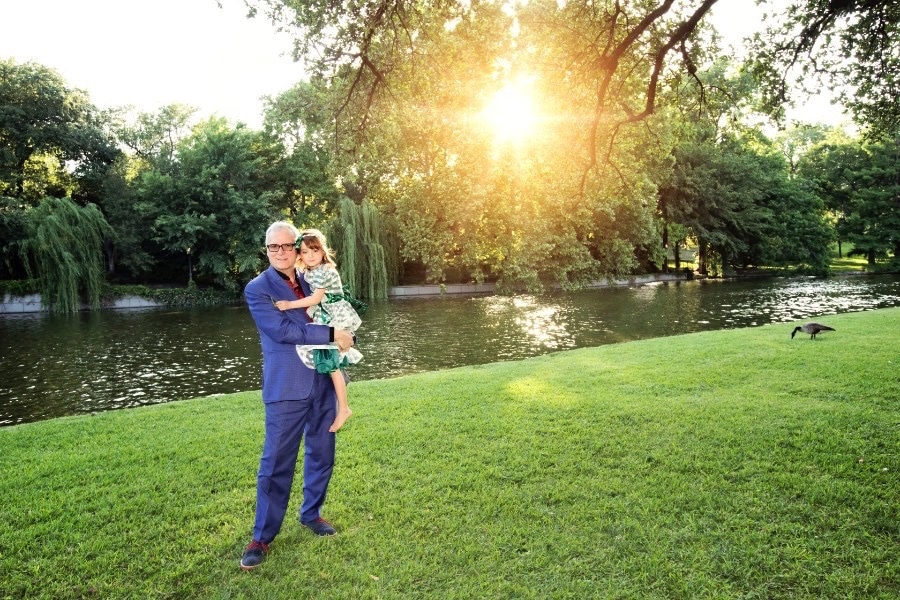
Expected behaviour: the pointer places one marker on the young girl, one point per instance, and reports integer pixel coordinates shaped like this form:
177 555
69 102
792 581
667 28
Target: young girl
327 305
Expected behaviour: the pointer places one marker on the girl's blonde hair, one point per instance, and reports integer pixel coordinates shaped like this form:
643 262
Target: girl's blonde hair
315 240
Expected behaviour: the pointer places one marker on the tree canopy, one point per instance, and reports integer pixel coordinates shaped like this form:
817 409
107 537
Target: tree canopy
853 45
860 185
45 125
533 144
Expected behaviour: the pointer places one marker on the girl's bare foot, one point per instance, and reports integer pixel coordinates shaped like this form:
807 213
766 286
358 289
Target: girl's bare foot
340 419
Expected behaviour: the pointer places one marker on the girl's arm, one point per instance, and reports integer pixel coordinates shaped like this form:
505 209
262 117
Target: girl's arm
306 302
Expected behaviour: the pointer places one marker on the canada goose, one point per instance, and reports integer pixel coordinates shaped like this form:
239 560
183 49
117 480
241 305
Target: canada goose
812 329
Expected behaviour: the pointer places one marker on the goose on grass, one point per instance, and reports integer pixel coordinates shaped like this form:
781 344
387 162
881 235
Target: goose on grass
812 329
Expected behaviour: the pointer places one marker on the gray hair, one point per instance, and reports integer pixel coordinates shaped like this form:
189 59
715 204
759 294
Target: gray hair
279 225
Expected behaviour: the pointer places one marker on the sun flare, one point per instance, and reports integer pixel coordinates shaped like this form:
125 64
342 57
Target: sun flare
510 113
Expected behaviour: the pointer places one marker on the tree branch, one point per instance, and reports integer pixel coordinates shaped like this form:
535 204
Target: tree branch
610 65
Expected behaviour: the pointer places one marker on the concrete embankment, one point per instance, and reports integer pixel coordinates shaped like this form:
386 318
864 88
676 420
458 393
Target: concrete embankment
32 303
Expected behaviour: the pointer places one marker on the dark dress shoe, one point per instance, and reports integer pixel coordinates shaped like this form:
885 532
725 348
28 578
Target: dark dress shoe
319 526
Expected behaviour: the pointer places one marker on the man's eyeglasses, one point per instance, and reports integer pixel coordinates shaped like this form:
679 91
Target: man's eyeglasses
273 248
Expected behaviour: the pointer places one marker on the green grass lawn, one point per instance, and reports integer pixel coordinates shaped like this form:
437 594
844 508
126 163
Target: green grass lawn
846 263
853 264
766 468
857 263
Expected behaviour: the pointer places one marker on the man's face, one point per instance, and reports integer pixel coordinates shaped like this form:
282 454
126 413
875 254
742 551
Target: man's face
282 260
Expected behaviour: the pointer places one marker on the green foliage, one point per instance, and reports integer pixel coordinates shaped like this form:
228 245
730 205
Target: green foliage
303 187
63 251
187 297
19 287
128 252
208 208
874 225
397 124
306 190
738 203
854 46
191 296
152 140
766 469
154 137
569 204
12 231
363 247
859 184
797 231
44 125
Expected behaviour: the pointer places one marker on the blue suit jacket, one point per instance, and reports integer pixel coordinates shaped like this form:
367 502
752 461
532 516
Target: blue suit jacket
285 377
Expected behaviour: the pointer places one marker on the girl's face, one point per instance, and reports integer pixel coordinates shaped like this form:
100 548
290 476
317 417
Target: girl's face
311 257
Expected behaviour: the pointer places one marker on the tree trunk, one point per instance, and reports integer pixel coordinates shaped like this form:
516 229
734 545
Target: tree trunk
110 256
665 243
702 250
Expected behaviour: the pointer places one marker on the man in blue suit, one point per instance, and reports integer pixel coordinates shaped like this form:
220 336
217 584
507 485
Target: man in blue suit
299 402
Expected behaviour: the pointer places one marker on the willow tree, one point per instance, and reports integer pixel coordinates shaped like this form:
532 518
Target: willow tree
63 250
365 254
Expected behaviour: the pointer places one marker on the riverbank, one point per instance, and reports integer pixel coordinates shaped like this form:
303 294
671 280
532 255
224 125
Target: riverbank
406 291
31 303
124 297
765 467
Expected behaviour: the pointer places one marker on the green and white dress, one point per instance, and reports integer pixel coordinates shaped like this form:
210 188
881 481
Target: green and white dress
335 310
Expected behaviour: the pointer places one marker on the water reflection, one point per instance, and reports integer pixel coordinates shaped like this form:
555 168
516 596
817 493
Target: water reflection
60 365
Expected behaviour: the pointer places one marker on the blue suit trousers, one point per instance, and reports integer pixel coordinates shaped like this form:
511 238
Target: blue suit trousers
287 423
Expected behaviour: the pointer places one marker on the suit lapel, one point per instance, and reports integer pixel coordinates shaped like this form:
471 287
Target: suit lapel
281 290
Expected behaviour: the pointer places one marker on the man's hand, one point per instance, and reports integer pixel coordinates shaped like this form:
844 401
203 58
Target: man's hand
344 339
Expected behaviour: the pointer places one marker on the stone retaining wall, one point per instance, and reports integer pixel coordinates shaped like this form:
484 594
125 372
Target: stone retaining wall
32 303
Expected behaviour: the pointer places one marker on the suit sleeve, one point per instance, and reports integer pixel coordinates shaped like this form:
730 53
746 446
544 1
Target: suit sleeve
283 327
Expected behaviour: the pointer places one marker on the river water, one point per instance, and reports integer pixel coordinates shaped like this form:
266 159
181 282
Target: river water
52 365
